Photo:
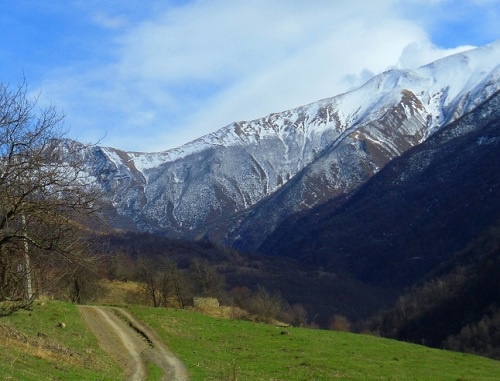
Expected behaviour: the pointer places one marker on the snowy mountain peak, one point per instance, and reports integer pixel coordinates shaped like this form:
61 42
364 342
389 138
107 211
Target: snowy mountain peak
302 156
452 77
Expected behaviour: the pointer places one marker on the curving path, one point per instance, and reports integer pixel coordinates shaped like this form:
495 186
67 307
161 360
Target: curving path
131 343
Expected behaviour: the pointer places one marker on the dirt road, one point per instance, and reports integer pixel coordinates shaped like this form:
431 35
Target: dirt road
131 343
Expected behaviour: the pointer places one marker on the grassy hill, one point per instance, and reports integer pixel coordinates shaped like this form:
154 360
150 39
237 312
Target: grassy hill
33 347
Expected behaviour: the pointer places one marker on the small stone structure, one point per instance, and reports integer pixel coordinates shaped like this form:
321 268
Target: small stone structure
199 302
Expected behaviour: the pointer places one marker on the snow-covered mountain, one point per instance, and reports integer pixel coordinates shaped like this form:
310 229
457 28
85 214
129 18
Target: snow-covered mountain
236 184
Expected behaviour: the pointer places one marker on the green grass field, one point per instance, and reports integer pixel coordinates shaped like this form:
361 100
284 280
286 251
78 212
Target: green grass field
219 349
33 347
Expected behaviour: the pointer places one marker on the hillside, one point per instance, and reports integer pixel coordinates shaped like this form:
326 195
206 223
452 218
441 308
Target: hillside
320 292
429 222
457 306
225 349
413 215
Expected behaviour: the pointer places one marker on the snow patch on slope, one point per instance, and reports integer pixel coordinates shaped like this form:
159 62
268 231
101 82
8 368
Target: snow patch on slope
437 85
239 165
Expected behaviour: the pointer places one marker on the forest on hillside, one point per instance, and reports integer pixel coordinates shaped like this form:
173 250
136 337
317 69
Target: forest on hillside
457 307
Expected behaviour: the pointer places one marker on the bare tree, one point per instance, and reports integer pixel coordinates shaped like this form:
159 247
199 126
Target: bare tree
151 281
340 323
163 283
297 315
179 287
265 305
45 196
206 279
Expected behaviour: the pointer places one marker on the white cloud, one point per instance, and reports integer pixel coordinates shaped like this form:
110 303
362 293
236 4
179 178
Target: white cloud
420 53
339 62
109 22
192 69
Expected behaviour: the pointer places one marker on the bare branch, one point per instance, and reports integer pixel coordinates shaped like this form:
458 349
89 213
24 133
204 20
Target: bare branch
45 196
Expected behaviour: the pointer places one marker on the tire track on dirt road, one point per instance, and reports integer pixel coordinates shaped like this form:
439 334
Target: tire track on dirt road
131 343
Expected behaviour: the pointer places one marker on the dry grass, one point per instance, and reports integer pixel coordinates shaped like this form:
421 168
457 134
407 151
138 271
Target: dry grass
120 292
51 342
123 293
39 346
221 312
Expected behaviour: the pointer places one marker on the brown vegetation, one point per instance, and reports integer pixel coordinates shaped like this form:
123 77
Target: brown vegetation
457 308
45 201
340 323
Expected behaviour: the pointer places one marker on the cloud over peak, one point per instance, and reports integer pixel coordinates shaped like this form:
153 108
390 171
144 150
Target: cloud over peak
169 72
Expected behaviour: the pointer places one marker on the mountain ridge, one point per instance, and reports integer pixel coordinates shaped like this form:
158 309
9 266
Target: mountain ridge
414 214
202 188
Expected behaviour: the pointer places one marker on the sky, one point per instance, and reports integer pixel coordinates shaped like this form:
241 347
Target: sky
152 75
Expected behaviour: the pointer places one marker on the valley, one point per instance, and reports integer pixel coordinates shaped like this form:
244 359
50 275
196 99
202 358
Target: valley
341 206
354 221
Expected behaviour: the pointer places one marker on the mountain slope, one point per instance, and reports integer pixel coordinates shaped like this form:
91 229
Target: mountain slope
440 93
414 214
457 308
292 160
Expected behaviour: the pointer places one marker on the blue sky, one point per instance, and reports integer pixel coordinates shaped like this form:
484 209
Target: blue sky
151 75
